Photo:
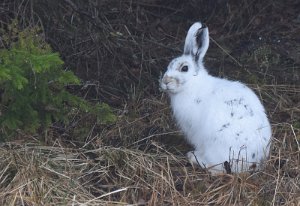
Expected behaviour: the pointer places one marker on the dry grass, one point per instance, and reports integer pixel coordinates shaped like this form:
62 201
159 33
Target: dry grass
43 175
140 159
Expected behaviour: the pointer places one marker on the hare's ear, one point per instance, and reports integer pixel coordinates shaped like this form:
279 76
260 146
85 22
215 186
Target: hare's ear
196 41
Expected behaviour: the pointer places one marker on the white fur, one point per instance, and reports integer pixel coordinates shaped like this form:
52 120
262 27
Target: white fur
224 120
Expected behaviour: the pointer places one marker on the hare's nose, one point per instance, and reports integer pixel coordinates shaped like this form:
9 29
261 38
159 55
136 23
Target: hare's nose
166 79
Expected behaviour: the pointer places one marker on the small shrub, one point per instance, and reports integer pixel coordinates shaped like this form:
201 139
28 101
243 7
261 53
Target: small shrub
32 82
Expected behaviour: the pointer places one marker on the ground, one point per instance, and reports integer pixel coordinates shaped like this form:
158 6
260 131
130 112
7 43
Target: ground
119 49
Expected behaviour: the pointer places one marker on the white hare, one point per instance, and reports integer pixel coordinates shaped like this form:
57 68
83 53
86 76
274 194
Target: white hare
224 120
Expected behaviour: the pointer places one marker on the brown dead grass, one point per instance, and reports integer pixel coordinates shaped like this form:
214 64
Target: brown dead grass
53 175
140 159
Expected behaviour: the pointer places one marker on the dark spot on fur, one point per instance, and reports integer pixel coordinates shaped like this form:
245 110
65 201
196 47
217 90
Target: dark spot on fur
231 114
253 155
229 103
198 101
251 113
238 133
234 102
224 126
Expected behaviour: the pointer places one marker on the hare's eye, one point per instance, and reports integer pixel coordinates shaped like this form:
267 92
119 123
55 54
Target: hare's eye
184 68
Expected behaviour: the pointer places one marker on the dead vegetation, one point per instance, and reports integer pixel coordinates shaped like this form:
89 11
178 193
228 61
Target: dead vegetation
33 174
119 49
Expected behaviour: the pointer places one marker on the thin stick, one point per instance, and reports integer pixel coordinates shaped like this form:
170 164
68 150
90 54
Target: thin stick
107 194
277 181
224 50
295 137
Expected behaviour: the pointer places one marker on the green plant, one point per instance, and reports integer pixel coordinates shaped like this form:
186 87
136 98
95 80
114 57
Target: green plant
32 82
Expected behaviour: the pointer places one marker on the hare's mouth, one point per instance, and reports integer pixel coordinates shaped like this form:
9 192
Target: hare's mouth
171 87
170 84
